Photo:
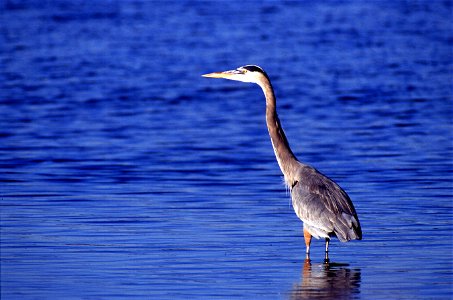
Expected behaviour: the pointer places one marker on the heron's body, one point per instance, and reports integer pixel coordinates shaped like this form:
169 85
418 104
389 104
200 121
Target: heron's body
322 205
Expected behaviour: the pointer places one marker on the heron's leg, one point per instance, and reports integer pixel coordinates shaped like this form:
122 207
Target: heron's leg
307 237
326 257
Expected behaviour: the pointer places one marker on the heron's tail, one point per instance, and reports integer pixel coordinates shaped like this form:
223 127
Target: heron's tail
348 228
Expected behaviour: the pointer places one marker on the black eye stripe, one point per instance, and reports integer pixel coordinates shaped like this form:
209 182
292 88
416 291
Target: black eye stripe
252 68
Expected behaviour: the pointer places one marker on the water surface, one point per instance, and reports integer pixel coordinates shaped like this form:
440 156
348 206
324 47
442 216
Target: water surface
123 173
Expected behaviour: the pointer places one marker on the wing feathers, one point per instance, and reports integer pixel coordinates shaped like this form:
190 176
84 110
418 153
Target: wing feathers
324 207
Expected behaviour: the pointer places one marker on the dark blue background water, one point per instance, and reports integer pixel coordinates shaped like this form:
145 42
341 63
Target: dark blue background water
126 174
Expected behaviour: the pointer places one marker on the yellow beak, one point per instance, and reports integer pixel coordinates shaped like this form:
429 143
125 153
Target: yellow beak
225 74
215 75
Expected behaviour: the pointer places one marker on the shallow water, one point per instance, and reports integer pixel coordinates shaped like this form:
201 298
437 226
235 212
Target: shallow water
126 174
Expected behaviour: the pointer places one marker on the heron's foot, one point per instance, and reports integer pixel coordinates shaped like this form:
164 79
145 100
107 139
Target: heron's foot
326 258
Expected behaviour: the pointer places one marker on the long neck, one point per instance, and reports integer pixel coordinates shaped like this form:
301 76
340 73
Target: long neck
286 159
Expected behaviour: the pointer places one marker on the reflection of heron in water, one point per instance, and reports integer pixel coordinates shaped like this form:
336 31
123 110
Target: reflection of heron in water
327 281
319 202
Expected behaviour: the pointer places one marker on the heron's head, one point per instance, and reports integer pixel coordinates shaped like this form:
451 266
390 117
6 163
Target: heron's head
249 73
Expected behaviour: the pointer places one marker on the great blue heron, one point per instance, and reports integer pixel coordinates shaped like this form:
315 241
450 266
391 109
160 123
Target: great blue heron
322 205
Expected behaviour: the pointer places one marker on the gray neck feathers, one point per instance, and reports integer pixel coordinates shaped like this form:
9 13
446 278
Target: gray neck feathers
285 157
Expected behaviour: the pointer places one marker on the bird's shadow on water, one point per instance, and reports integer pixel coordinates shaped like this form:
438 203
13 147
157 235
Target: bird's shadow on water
327 281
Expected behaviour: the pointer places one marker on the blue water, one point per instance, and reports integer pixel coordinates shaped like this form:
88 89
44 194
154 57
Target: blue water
123 173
